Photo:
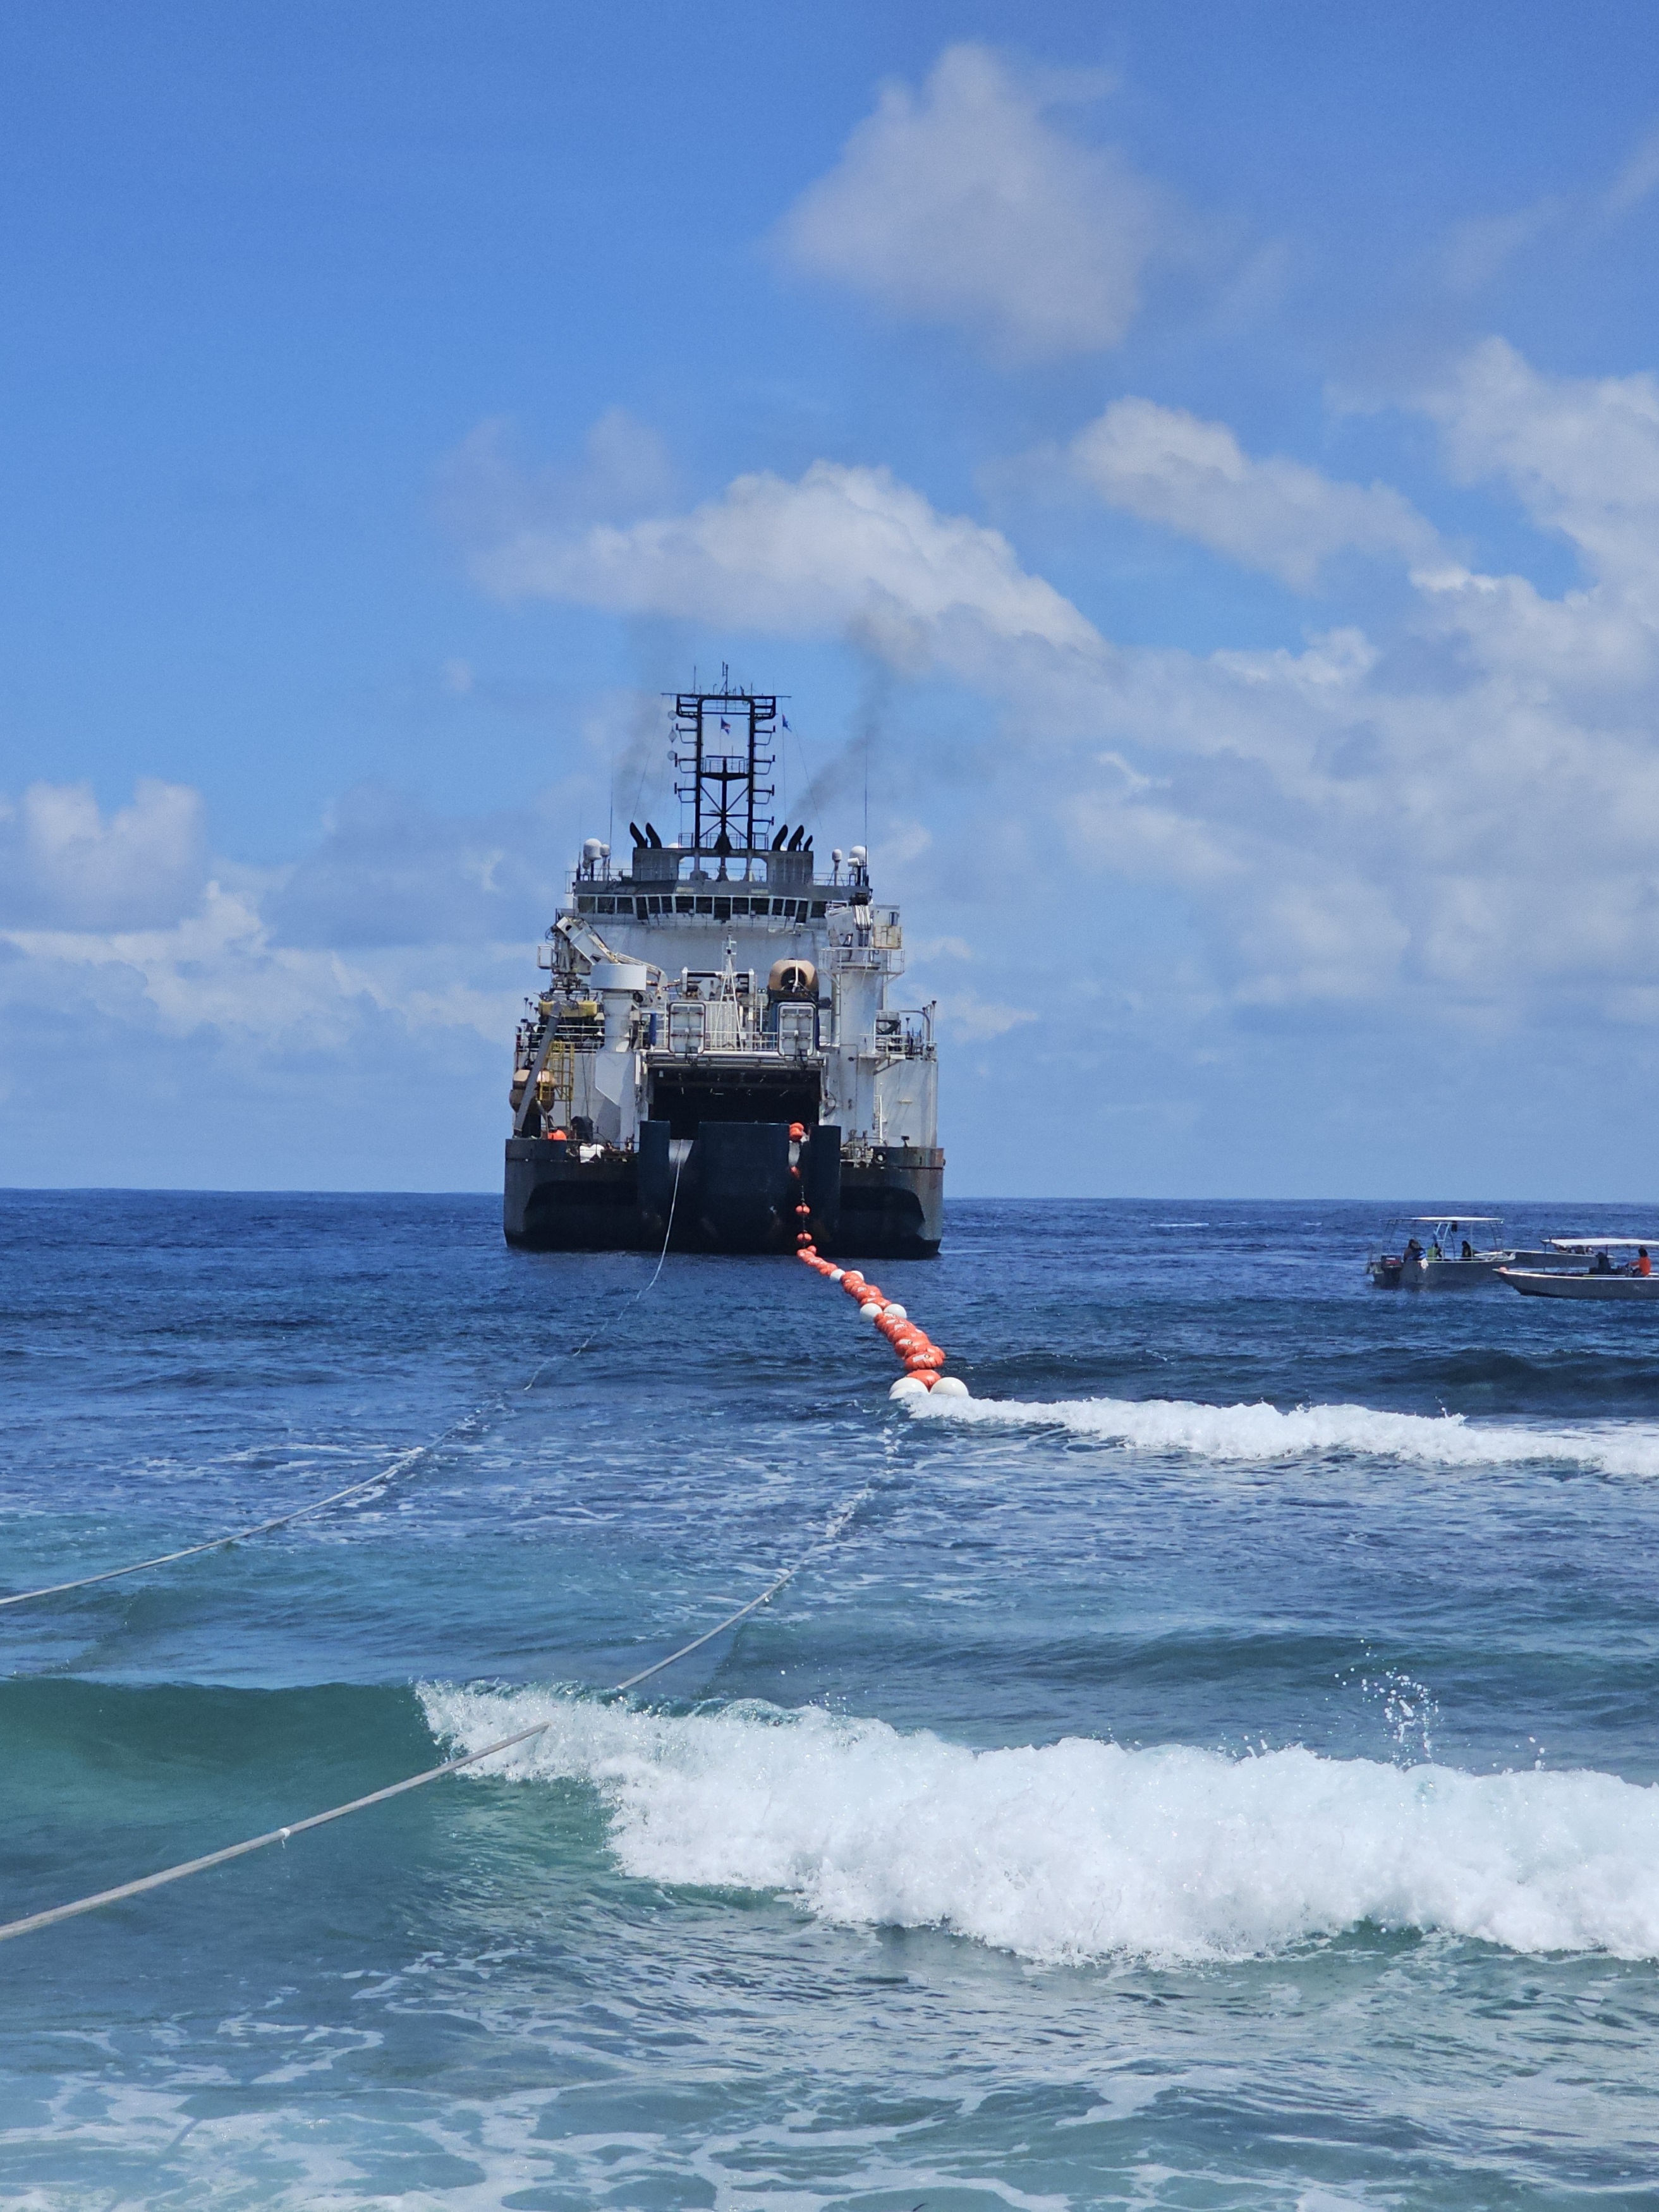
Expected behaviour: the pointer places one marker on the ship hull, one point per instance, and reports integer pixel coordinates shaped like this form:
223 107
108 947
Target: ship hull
733 1188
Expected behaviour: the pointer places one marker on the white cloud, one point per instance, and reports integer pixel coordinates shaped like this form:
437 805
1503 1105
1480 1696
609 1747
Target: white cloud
1583 453
1367 820
222 968
63 860
1451 811
1456 811
841 552
1277 514
397 917
966 204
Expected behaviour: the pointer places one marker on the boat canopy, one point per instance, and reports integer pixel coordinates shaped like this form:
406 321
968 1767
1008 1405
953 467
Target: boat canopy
1600 1243
1474 1220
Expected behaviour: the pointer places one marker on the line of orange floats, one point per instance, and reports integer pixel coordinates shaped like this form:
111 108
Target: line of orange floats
920 1357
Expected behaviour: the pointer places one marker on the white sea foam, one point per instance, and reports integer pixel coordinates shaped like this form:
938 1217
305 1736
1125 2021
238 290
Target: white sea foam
1262 1432
1082 1849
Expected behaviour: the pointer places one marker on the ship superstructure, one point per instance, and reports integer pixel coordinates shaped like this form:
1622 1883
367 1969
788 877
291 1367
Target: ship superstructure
714 1047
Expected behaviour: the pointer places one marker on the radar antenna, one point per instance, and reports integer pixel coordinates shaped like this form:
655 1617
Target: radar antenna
725 788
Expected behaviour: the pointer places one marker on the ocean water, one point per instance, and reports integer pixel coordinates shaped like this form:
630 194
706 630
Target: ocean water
1216 1765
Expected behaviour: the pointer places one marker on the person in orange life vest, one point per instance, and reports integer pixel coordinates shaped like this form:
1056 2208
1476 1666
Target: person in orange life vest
1643 1265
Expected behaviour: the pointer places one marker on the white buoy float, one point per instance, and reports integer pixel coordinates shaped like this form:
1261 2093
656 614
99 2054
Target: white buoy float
896 1313
870 1311
908 1386
949 1386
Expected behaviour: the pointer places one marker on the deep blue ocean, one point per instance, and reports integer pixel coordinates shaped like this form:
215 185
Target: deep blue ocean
1216 1765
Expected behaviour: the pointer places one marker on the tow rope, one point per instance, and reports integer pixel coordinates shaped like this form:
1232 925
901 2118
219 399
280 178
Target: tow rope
401 1463
922 1360
31 1922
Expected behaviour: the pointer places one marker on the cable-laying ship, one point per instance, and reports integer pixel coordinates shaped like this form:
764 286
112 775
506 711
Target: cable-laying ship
713 1062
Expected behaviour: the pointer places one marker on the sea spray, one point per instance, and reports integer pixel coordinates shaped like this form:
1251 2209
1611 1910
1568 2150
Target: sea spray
1247 1433
1083 1849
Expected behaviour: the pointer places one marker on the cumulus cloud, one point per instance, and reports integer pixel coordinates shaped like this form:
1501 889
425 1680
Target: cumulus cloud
968 203
1582 452
63 860
842 551
222 968
1277 514
1452 808
1365 819
397 916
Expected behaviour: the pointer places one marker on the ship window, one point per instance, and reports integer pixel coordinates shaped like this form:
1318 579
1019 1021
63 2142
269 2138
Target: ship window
625 906
740 906
584 906
605 906
723 909
684 903
705 906
817 909
654 906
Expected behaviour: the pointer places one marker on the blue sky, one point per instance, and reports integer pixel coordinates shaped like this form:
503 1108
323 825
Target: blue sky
1204 462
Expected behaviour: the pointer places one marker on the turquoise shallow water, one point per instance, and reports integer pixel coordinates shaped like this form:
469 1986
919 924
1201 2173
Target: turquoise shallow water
1216 1768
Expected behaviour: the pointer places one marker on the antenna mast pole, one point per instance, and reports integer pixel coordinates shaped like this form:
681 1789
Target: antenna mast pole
725 790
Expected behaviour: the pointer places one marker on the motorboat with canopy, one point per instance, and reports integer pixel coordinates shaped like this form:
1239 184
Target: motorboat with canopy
1622 1277
1443 1253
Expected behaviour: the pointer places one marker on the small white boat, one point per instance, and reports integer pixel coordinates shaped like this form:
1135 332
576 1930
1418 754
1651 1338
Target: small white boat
1449 1260
1601 1279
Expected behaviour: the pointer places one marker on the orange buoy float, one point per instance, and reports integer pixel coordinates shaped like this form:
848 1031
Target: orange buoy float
916 1352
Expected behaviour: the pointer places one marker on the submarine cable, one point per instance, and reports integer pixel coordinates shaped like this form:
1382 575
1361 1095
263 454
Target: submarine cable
31 1921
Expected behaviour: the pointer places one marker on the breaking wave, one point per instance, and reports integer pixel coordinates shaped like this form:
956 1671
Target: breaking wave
1082 1850
1262 1432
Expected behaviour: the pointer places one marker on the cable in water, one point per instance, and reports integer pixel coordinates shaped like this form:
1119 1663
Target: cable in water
400 1465
31 1921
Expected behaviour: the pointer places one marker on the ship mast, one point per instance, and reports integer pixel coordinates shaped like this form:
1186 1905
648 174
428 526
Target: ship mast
726 789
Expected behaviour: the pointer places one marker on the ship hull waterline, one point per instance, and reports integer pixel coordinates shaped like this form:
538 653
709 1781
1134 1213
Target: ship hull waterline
729 1189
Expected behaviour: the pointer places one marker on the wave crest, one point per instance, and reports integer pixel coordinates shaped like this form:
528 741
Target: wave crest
1258 1432
1084 1851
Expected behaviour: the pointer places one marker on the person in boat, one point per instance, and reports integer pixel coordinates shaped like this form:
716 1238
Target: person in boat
1601 1265
1413 1250
1468 1252
1641 1265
